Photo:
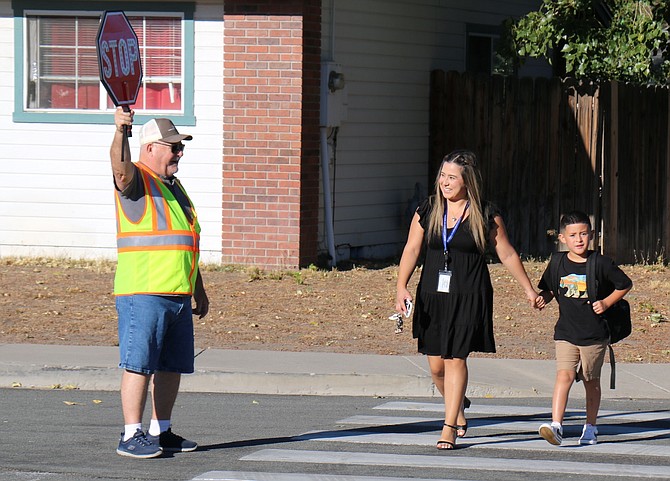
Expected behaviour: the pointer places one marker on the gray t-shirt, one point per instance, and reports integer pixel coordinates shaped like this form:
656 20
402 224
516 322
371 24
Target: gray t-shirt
134 194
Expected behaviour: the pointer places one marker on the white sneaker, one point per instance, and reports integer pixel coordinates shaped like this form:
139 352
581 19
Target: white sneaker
589 435
553 433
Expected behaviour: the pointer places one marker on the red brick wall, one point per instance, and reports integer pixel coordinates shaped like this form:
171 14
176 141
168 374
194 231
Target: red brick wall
271 132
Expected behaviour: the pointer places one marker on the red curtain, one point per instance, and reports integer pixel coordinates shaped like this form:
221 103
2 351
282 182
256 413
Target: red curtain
67 49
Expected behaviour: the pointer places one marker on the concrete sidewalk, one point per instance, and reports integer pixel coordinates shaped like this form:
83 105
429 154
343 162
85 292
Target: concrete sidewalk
273 372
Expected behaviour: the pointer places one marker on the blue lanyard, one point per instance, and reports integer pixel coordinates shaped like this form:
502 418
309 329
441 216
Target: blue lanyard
445 239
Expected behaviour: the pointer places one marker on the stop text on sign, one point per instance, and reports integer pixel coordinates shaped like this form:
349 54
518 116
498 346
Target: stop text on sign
118 57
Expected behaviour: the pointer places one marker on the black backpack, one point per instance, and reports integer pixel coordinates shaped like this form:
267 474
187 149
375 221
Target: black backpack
617 317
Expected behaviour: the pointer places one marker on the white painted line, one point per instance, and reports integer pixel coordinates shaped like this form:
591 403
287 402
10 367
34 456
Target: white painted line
543 412
492 423
459 462
503 443
474 408
364 419
251 476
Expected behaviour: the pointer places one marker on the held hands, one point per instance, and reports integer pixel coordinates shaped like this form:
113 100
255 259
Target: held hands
542 299
535 300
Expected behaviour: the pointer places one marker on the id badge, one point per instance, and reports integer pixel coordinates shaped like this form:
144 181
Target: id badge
443 281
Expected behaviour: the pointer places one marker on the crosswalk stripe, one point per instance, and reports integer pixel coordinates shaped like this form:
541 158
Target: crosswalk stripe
250 476
459 462
496 442
539 412
517 426
488 423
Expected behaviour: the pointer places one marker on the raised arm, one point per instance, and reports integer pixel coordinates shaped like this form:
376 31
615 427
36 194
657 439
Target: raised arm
123 170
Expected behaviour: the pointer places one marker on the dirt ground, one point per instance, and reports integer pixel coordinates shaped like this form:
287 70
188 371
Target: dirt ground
51 301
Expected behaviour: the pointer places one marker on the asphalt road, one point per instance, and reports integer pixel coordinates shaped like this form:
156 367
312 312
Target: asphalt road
59 435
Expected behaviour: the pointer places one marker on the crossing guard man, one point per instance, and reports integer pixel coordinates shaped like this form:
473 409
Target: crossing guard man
157 279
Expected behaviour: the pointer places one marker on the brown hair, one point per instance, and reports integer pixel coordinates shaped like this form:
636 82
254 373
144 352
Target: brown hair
472 179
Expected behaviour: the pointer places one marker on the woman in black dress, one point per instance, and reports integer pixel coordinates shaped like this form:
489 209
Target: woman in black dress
454 303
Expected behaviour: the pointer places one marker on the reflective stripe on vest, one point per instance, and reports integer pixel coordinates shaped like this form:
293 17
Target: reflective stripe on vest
158 248
176 241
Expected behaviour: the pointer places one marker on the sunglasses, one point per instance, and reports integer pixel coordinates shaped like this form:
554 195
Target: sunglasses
176 148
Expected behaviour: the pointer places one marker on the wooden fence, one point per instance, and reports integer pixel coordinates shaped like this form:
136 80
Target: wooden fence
548 146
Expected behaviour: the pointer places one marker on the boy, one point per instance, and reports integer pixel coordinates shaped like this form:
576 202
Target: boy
580 333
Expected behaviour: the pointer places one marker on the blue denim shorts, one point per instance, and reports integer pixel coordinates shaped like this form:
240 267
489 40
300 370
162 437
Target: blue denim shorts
155 333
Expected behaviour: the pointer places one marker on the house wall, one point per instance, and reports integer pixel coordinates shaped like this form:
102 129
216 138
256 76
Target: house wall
262 206
56 191
387 49
271 109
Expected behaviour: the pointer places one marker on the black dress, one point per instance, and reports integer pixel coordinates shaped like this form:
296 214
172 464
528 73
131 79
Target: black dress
457 323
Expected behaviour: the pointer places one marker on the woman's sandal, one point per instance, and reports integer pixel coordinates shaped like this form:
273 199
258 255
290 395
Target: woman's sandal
461 430
443 444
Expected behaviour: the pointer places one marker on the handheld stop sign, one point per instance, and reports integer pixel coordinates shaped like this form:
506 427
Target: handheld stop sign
119 60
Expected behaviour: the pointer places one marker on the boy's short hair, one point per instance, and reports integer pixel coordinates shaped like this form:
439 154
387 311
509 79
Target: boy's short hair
574 217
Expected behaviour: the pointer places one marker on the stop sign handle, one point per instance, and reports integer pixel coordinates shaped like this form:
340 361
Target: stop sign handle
127 132
127 129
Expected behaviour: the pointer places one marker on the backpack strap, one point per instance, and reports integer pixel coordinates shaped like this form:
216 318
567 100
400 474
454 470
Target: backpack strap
612 367
592 290
554 262
592 277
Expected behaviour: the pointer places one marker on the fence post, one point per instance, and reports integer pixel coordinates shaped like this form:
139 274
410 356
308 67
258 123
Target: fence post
596 152
611 178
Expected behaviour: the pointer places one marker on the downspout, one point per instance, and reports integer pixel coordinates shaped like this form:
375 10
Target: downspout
325 158
327 199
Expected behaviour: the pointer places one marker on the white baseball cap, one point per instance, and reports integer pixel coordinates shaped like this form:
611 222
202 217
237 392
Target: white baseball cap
162 130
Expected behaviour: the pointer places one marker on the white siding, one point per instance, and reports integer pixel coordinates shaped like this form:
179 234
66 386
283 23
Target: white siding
387 49
56 194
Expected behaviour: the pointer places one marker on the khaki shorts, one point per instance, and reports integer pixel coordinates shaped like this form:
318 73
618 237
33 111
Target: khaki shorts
586 361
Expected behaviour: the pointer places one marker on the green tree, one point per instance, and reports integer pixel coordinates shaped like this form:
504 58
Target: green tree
620 40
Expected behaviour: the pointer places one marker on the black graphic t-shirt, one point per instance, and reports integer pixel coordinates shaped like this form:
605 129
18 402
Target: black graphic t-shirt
577 323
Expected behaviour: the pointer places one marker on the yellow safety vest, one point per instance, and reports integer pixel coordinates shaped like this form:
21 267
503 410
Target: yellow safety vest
158 248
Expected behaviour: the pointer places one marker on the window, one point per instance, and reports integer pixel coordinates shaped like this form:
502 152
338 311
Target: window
480 51
58 61
479 57
63 63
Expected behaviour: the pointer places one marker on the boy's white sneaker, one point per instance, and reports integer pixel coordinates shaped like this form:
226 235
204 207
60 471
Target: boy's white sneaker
553 433
589 435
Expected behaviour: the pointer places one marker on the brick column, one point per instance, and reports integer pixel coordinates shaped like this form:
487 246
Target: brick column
271 132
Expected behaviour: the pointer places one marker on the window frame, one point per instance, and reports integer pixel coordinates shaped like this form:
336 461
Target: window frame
44 7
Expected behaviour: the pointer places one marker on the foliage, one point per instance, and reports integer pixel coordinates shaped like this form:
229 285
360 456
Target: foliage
622 40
